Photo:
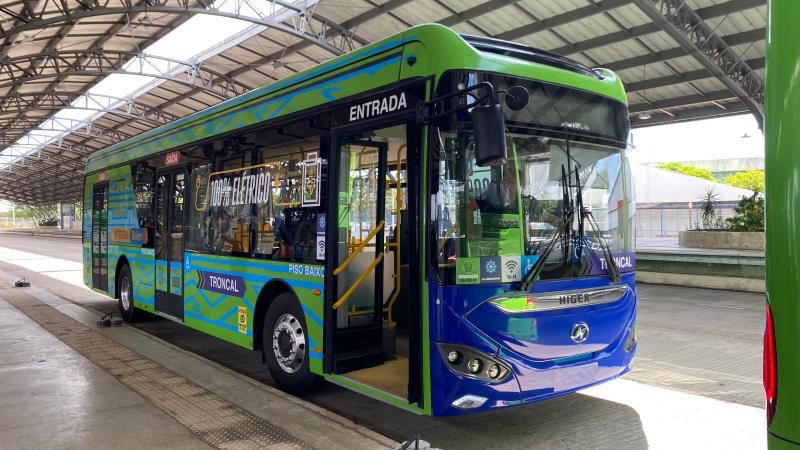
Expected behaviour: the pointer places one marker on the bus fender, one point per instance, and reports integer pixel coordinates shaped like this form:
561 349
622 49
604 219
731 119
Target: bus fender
269 291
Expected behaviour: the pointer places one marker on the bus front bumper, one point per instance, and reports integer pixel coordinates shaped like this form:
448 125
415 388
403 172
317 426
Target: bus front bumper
527 381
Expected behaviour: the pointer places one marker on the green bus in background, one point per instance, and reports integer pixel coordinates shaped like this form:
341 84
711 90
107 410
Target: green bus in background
782 335
439 221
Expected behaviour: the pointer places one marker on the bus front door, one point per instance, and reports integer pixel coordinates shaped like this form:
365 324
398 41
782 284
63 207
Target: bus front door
170 196
356 306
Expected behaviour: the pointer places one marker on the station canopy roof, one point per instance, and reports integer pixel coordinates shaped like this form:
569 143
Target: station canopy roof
79 75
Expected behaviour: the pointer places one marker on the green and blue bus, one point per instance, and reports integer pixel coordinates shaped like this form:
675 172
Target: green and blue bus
439 221
782 163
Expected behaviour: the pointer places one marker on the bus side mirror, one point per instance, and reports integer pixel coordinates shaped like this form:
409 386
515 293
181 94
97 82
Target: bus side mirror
489 126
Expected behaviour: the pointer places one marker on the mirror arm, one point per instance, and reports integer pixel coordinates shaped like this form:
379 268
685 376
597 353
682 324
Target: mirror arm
426 111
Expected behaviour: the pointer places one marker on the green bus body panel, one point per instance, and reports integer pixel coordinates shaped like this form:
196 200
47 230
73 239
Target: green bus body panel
435 50
782 164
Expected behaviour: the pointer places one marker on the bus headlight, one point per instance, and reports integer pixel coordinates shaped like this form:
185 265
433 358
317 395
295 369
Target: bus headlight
474 365
466 361
454 357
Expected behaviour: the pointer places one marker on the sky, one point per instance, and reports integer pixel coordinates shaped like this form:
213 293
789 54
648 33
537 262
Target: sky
721 138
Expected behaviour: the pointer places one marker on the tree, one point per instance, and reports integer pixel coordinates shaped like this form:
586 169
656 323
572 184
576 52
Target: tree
708 208
752 180
44 215
748 215
687 169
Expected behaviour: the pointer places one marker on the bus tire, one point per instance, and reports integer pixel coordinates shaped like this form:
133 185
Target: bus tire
285 345
125 295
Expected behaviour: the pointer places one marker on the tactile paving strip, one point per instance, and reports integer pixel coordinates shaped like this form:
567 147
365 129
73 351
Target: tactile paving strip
216 421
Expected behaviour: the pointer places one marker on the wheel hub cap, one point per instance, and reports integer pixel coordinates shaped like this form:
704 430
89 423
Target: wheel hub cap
289 343
125 293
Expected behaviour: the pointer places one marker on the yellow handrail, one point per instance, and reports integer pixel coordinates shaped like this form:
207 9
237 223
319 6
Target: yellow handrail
397 200
358 282
358 249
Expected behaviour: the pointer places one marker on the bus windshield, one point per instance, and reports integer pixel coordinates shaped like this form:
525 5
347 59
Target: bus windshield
494 223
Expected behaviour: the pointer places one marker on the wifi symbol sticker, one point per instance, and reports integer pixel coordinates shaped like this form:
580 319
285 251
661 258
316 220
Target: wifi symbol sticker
320 247
511 266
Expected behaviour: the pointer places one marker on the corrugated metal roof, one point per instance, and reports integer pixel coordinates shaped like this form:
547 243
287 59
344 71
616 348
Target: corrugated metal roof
43 58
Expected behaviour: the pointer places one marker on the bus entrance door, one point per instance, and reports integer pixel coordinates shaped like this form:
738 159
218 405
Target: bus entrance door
358 256
170 192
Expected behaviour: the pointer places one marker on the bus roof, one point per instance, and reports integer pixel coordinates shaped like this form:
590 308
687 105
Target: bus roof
357 72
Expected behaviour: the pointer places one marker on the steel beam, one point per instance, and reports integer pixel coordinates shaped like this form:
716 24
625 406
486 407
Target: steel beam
79 127
694 35
681 101
745 37
180 7
99 63
710 12
371 14
693 75
55 101
704 112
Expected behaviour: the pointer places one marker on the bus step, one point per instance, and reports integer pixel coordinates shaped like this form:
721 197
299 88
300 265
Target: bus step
359 359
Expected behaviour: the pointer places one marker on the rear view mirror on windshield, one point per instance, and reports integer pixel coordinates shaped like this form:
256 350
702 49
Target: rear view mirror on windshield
489 125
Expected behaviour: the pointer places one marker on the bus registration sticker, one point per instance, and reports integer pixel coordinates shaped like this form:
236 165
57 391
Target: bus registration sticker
242 321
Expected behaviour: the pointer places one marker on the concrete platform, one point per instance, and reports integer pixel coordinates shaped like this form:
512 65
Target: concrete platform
663 261
695 383
66 384
670 245
52 397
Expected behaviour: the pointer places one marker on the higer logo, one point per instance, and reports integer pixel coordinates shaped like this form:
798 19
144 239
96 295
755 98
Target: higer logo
574 299
579 333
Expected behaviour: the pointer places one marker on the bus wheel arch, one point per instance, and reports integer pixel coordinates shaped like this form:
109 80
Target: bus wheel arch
286 351
123 290
268 293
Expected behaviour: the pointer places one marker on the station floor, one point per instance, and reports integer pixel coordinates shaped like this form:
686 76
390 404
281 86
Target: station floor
66 384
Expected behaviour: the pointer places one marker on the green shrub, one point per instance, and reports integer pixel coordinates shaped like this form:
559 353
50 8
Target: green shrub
748 215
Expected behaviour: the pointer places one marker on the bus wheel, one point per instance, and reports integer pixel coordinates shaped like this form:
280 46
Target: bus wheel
285 345
125 295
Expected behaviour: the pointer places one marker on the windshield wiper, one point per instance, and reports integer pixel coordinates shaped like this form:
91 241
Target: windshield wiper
611 264
564 232
581 210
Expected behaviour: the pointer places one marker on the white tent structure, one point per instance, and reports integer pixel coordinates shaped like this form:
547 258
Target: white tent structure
654 185
669 202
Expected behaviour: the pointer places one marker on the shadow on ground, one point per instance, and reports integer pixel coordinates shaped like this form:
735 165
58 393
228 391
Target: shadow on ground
572 421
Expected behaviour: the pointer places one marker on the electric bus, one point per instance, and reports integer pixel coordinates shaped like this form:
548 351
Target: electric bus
440 221
781 337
